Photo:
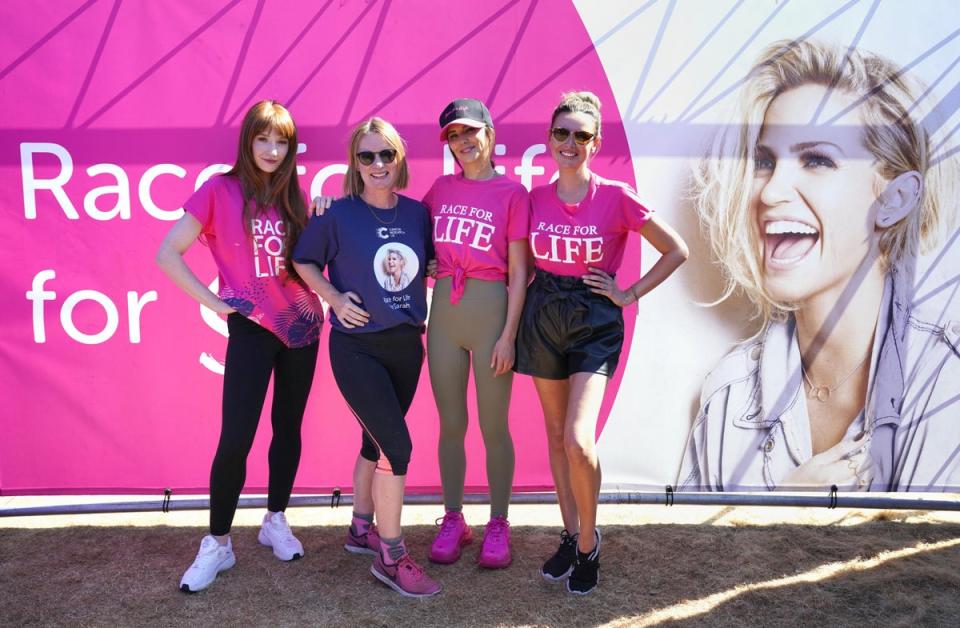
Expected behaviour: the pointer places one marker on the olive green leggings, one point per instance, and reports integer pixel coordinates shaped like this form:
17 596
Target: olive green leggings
454 333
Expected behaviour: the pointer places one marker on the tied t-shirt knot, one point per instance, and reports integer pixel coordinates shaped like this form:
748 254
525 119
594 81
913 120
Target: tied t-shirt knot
458 285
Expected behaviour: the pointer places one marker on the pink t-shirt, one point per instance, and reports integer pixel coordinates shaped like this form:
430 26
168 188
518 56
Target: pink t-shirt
570 239
473 224
252 277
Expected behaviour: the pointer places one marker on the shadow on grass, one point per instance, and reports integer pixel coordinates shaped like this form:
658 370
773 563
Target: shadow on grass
129 575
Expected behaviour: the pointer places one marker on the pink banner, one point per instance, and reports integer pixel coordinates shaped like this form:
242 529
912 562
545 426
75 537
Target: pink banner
115 112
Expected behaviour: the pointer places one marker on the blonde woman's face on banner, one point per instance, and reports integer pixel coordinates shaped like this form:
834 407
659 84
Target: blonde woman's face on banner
814 197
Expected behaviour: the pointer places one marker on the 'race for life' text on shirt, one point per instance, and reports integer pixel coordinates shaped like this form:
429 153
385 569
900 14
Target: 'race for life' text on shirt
252 278
571 239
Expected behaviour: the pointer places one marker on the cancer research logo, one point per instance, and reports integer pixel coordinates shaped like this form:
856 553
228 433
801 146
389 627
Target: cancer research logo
385 233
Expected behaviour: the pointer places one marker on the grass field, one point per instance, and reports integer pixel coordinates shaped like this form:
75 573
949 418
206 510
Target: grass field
687 565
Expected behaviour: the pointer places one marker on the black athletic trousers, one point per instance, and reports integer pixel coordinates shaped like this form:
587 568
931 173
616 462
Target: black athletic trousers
253 354
377 373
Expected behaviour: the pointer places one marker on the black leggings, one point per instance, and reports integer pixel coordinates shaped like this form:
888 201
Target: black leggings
253 353
377 373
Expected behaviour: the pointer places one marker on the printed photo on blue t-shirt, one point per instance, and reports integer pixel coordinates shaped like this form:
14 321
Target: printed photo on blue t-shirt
395 264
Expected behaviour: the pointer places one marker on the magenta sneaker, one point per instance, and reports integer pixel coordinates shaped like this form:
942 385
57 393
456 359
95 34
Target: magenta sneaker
454 533
368 543
405 577
495 550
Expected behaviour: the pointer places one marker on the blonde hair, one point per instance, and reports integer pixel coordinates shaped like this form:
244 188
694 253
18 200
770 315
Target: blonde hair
893 133
398 253
352 181
579 102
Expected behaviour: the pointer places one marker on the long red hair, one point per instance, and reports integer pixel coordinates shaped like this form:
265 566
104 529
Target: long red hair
282 188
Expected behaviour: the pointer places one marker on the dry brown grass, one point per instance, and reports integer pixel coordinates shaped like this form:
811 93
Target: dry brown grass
695 566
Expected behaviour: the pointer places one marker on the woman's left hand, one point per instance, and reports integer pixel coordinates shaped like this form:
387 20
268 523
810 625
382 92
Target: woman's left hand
602 283
503 356
848 465
320 205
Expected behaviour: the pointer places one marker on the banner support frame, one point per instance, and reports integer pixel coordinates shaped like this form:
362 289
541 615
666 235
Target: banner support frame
835 499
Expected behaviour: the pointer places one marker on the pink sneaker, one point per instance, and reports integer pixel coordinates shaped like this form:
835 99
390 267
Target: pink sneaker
368 543
405 577
495 550
454 533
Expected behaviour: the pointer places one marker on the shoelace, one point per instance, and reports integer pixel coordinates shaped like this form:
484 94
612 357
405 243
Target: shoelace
497 528
568 541
207 554
279 523
407 563
448 524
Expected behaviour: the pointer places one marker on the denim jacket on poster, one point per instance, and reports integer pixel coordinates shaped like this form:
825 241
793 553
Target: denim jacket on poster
752 428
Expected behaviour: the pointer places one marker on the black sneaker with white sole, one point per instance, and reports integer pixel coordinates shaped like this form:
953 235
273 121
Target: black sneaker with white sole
586 570
559 566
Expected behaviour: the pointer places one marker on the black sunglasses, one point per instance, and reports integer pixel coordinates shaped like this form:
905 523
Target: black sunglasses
387 155
580 137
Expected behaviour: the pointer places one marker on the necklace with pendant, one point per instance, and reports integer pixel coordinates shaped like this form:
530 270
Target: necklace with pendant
822 393
374 211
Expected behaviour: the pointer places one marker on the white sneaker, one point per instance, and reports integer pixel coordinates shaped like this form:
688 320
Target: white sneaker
211 560
275 533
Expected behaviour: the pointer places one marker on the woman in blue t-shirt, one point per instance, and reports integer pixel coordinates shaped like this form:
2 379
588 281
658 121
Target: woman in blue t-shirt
376 350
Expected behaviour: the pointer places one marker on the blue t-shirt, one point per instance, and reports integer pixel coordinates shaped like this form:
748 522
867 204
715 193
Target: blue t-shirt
379 254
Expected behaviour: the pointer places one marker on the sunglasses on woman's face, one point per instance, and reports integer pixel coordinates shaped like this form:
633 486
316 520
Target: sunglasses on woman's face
561 134
367 157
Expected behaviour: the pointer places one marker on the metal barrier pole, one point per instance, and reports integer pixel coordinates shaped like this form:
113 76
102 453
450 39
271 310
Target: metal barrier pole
889 501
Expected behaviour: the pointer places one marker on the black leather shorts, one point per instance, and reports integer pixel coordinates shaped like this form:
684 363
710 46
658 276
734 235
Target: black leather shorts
567 329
